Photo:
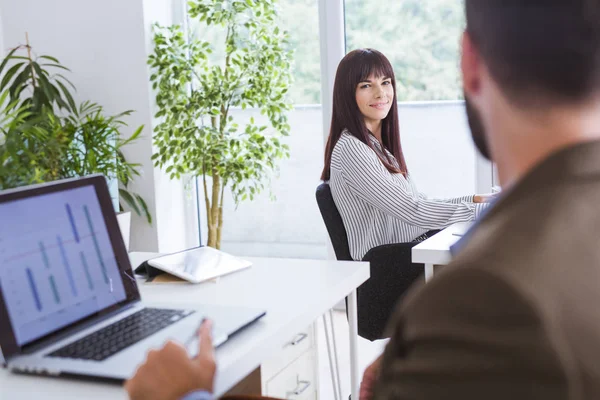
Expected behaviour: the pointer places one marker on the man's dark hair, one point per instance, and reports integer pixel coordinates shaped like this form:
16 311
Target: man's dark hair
540 52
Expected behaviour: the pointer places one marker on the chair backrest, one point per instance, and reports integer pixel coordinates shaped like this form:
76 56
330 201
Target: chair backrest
333 223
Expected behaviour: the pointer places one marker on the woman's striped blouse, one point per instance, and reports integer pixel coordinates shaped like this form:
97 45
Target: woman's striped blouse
379 207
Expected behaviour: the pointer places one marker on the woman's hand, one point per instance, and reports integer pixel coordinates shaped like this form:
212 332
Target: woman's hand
484 198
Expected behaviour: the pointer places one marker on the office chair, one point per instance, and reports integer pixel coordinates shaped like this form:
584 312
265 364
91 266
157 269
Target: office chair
392 271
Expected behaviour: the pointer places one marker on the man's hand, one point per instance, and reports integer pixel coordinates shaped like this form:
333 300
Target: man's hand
369 379
169 373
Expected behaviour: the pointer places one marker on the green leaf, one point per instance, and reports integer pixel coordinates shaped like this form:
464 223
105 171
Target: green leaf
9 74
51 59
44 85
8 57
125 195
18 83
67 94
56 66
144 207
66 80
134 136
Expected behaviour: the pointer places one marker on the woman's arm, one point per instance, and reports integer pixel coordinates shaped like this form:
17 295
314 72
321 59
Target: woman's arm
366 176
455 200
477 198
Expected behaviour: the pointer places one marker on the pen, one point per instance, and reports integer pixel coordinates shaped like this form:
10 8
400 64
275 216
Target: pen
195 334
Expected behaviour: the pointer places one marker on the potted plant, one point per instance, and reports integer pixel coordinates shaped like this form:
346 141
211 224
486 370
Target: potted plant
45 135
195 96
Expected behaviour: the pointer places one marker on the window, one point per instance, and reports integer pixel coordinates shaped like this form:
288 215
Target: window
300 19
420 38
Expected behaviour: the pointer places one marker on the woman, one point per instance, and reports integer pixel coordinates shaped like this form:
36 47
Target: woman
371 187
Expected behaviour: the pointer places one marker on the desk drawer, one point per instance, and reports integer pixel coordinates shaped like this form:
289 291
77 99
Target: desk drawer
292 349
297 382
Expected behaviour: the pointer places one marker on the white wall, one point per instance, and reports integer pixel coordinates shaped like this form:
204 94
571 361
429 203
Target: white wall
106 44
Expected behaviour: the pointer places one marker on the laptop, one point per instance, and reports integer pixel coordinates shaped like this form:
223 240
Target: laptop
69 303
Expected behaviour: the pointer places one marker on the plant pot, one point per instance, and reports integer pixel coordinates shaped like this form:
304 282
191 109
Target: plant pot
124 219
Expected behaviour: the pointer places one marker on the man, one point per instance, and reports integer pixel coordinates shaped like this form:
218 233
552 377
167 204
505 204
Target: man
514 315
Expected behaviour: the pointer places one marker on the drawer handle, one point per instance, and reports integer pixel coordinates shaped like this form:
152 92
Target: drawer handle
300 388
299 338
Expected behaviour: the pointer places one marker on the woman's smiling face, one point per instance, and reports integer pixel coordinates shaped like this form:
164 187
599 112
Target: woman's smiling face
374 97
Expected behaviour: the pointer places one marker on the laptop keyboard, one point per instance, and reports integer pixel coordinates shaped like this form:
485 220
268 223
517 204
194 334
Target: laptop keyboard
108 341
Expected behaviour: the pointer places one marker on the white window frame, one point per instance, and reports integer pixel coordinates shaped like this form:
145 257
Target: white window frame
332 38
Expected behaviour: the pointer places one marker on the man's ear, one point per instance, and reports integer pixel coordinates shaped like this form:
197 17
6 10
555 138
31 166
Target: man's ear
470 63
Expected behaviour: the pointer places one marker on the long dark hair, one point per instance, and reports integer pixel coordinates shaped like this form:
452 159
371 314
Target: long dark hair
354 68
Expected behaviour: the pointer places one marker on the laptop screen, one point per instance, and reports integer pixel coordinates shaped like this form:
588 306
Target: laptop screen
57 264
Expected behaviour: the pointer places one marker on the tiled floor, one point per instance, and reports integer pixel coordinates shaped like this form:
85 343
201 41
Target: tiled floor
367 352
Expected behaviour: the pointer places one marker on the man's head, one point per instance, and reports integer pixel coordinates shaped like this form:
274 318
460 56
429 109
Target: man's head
534 54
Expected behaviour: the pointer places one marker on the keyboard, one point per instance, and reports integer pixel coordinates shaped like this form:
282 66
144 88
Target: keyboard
110 340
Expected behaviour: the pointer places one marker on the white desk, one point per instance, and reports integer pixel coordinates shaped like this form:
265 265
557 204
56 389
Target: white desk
293 292
436 249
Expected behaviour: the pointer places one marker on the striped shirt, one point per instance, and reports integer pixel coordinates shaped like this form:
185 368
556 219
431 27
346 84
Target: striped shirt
379 207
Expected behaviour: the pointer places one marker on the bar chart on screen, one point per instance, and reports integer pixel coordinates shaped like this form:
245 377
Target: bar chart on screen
56 261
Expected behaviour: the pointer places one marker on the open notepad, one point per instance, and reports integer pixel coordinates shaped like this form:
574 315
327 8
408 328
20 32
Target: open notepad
197 265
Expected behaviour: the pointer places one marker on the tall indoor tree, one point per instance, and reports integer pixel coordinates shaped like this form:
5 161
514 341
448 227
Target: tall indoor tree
195 95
